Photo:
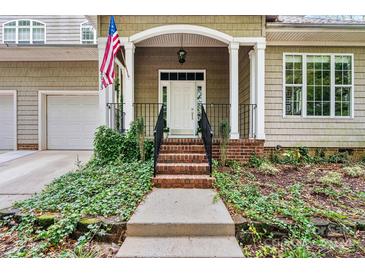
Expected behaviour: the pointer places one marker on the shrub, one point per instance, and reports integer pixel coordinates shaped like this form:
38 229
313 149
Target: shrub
255 161
224 130
108 144
320 152
148 149
267 168
341 157
331 178
291 157
363 159
235 165
140 137
354 171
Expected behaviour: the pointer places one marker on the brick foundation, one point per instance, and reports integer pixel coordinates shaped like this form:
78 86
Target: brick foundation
239 150
27 146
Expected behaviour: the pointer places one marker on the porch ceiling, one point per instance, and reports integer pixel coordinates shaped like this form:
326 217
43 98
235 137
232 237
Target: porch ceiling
174 40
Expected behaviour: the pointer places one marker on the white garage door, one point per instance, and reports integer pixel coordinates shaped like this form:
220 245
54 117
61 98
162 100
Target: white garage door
71 121
7 125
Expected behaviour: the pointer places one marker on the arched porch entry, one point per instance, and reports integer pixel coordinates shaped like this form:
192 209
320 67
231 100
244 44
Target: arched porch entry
158 45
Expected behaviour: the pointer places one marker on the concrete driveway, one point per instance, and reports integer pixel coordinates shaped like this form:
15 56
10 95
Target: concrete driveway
20 178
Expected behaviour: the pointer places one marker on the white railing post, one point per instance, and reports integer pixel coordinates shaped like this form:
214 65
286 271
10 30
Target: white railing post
260 90
128 89
233 89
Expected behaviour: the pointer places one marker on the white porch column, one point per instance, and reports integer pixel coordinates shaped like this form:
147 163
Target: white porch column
233 89
260 90
128 81
252 121
104 94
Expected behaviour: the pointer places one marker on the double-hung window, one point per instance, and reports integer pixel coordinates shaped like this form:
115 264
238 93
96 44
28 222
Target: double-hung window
24 32
88 34
293 84
318 85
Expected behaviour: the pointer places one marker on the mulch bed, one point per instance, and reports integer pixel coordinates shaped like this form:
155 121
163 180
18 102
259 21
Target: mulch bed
341 198
308 176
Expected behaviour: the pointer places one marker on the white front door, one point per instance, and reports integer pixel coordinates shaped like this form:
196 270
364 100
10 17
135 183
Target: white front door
182 108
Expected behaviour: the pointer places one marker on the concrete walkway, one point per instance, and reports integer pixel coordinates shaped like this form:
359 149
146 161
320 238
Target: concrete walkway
22 177
14 154
181 223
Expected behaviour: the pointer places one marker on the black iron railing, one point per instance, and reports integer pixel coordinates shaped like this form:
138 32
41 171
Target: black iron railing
217 113
149 112
116 116
207 136
247 120
158 137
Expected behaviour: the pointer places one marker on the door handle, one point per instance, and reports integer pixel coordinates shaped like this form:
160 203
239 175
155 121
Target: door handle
192 114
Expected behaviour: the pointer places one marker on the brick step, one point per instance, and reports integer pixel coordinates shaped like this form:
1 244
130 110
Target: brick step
183 141
183 168
182 149
182 158
183 181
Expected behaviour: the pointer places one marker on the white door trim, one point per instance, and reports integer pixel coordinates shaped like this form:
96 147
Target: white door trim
14 94
167 83
42 110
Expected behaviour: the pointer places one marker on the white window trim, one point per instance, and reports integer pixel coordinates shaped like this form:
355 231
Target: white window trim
15 106
304 86
167 83
31 30
94 30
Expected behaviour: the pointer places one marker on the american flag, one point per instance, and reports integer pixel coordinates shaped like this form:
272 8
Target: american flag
112 47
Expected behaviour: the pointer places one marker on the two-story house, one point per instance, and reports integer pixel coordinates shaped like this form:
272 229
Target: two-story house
48 82
284 81
280 81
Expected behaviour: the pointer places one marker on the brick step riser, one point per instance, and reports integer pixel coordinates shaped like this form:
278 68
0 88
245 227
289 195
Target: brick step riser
187 170
182 183
183 142
188 158
181 149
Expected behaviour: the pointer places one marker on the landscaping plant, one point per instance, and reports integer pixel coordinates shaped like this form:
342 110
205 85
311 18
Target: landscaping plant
140 137
262 165
224 131
354 171
110 145
280 208
113 183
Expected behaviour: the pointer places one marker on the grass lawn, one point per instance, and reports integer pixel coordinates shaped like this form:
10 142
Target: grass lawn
290 196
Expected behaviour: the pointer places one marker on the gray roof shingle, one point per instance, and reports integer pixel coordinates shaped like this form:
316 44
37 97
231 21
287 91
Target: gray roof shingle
321 19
